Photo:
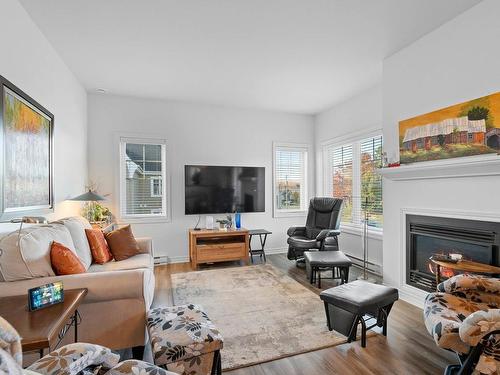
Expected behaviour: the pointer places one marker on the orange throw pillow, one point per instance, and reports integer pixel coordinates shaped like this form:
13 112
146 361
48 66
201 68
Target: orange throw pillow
122 243
64 261
98 246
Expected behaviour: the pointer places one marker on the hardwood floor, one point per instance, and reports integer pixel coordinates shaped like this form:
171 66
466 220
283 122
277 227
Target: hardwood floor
407 349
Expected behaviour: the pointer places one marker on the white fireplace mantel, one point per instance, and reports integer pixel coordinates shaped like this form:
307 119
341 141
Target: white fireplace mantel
482 165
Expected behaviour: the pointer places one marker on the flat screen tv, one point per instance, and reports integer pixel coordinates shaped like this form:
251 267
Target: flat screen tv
222 190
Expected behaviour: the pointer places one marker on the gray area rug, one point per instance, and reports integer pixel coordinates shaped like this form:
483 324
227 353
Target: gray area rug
262 313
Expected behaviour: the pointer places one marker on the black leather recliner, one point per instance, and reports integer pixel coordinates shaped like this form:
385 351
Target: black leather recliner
323 221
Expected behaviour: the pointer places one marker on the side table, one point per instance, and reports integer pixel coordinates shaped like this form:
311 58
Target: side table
44 328
262 233
464 266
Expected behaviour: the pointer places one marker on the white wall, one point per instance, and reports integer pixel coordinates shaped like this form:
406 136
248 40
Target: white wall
453 64
196 134
353 117
28 60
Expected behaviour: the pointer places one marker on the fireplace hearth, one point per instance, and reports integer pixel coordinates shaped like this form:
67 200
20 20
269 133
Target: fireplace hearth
475 240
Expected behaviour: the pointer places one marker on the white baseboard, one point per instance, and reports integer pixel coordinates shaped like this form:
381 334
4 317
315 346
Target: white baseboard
276 250
166 259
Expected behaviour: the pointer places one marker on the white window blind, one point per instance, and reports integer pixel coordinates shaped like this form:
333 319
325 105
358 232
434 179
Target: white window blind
290 178
341 162
371 181
351 175
142 178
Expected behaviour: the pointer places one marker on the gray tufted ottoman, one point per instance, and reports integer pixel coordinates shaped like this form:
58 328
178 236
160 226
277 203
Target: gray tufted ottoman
184 340
346 306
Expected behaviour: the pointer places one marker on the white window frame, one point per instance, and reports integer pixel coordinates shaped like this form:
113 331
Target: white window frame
152 188
303 147
121 140
353 139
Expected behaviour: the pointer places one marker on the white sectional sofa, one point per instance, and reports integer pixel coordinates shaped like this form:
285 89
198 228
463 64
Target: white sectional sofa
119 293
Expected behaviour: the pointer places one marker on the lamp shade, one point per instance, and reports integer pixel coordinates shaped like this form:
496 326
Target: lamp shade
89 196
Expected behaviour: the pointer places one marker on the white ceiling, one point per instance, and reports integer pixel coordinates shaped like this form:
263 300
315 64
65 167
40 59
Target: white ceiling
289 55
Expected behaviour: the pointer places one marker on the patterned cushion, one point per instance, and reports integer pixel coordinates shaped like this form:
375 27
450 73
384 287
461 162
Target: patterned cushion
135 367
73 358
476 288
489 362
180 333
444 314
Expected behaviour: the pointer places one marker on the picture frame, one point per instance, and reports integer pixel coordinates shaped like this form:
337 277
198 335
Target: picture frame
466 129
26 154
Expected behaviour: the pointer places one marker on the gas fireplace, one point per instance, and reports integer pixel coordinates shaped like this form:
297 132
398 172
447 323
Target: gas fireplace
475 240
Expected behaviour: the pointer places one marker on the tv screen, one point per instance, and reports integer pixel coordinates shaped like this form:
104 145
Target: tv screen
221 190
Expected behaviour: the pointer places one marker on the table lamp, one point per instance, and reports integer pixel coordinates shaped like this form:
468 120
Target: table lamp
90 197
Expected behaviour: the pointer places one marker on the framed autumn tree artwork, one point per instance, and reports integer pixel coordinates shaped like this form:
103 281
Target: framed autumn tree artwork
465 129
26 128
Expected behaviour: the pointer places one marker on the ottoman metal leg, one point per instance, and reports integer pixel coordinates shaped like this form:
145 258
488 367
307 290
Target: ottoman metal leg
328 323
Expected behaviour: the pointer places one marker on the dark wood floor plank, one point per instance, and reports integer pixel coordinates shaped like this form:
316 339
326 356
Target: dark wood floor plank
408 349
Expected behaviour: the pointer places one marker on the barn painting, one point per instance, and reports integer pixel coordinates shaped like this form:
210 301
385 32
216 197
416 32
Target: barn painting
466 129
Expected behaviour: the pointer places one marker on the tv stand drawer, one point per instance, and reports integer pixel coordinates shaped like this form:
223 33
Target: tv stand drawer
220 252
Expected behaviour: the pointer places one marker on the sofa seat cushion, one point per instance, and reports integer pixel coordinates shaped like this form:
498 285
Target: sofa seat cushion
132 263
76 226
28 255
179 333
443 316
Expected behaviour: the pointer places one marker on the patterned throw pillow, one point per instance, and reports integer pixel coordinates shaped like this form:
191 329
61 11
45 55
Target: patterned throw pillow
98 246
73 358
64 261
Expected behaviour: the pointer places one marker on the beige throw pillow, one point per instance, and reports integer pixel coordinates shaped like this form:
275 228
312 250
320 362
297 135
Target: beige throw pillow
30 257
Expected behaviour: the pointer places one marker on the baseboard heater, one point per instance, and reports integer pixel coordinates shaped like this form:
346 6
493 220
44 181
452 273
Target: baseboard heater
360 265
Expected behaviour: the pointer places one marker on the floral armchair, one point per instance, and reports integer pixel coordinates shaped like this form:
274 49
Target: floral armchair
464 316
72 359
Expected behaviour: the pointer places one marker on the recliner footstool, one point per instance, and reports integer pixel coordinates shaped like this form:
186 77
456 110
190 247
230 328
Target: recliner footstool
336 261
184 340
347 305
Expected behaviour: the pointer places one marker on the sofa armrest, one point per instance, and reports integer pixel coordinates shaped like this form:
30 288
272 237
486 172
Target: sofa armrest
478 325
146 245
101 286
296 231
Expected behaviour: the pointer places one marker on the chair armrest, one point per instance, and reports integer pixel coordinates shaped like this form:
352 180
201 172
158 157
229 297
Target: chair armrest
465 283
146 245
478 325
74 358
327 233
296 231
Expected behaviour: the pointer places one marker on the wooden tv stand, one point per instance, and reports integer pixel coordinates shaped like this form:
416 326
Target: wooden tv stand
214 245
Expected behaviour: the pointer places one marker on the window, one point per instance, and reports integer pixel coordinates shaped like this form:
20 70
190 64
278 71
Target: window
290 179
350 174
156 187
143 174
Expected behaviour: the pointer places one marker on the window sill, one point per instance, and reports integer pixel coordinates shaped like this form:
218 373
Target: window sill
291 213
375 234
143 220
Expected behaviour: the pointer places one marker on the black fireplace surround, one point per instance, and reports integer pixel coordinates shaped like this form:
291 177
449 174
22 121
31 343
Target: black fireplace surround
428 235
